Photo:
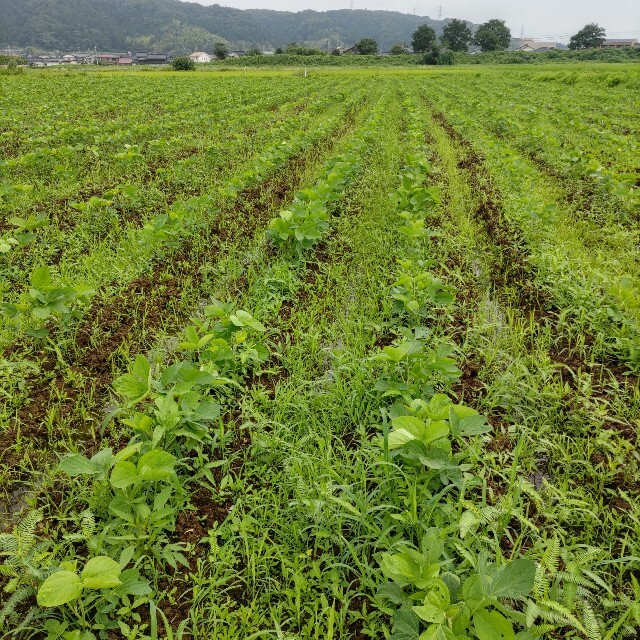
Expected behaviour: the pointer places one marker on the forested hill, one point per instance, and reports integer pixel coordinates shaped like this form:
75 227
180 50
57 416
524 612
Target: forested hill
128 24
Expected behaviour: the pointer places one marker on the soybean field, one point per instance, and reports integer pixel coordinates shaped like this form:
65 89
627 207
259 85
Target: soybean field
331 355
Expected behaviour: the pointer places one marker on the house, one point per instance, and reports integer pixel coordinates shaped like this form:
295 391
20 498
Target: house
44 61
125 62
536 46
143 57
108 58
200 56
618 44
237 54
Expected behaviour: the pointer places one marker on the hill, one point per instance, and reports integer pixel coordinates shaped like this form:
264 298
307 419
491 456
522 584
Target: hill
128 24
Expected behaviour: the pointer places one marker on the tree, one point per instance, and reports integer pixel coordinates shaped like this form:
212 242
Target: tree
398 49
493 36
432 56
437 55
457 35
591 36
254 52
183 63
366 47
423 38
220 51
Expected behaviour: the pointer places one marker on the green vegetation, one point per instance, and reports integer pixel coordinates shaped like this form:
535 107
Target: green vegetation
332 355
183 63
492 36
11 60
145 25
423 39
457 35
591 36
554 56
366 47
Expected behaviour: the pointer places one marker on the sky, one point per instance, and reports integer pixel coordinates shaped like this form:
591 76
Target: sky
543 19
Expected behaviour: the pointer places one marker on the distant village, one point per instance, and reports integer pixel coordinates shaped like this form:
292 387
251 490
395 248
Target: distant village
118 59
147 58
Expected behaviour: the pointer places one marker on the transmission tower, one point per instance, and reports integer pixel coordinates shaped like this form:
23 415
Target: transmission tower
440 12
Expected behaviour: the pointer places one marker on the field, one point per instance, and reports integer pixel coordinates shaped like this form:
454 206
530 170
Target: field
326 355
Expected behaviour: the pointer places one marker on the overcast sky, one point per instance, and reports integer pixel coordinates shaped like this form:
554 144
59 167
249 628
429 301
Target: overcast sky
553 19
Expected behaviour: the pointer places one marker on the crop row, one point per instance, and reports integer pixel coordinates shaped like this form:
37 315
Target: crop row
162 231
589 275
565 144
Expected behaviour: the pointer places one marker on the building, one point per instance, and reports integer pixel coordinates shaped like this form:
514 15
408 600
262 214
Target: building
143 57
108 58
45 61
526 44
200 56
619 44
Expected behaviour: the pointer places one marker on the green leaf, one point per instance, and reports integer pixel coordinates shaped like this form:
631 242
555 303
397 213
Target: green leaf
59 588
41 277
409 568
472 589
432 545
132 585
121 508
42 313
514 579
101 573
491 625
430 613
438 632
473 426
405 429
123 475
77 465
244 319
135 386
396 354
156 465
406 625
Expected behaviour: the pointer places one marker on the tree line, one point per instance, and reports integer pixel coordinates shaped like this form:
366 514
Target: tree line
457 36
